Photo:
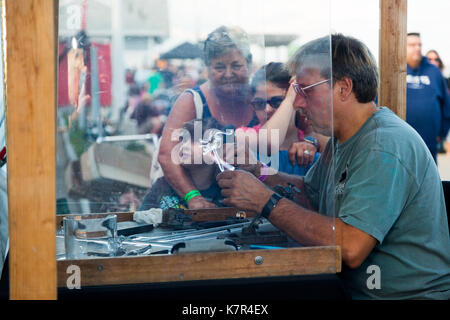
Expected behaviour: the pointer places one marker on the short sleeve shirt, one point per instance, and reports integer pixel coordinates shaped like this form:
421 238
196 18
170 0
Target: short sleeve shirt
384 182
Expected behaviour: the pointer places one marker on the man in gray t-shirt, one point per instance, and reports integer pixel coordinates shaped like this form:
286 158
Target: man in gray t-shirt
388 186
375 190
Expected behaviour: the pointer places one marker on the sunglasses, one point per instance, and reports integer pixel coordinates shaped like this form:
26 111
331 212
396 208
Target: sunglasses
301 90
260 103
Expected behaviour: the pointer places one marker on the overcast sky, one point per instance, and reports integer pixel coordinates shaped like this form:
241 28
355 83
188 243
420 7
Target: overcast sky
310 19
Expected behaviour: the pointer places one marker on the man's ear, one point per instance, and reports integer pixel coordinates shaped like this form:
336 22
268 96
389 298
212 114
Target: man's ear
344 88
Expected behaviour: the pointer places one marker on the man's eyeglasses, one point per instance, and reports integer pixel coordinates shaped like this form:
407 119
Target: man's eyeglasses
301 91
260 103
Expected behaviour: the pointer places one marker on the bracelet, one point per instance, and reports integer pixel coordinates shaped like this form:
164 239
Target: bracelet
264 172
191 194
312 141
270 205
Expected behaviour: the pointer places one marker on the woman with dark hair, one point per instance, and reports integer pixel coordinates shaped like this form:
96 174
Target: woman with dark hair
225 97
434 58
298 144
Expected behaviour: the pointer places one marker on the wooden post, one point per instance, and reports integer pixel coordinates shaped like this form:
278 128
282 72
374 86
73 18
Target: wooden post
31 139
392 55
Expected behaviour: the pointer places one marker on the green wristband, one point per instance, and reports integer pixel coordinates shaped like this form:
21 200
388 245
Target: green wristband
191 194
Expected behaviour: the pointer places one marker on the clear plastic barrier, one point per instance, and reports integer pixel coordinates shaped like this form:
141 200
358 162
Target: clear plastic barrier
162 103
4 242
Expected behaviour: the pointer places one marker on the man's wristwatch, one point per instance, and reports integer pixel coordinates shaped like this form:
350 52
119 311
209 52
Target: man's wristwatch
270 205
313 141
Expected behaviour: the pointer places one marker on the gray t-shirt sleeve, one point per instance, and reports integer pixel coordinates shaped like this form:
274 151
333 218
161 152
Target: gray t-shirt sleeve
315 177
375 194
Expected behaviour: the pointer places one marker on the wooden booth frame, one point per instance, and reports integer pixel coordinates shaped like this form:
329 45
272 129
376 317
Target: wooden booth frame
31 32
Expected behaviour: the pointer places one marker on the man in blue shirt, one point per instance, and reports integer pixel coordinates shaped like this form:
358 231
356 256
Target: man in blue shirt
427 101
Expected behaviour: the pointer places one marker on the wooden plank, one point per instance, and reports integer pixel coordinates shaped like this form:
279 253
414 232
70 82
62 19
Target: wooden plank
392 55
199 215
121 216
31 109
203 266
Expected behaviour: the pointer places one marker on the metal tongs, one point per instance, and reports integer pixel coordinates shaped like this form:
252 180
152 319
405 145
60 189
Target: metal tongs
213 144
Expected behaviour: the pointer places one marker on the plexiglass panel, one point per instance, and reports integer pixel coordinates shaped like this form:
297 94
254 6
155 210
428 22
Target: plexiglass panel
184 114
4 242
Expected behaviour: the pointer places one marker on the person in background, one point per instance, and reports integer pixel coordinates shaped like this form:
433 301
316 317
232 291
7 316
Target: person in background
225 97
129 77
155 80
434 58
375 191
149 118
134 97
168 75
427 96
298 147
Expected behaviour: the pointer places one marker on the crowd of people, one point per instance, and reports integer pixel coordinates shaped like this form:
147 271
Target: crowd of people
151 93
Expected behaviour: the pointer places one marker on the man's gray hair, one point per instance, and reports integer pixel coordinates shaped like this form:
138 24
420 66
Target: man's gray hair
339 57
312 55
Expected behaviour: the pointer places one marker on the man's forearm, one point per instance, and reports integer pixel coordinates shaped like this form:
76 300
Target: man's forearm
311 228
304 226
281 178
275 178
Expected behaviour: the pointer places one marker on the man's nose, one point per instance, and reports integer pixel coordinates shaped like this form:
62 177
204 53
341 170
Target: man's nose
299 102
228 72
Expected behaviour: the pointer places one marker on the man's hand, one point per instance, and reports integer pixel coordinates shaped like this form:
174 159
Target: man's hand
200 203
302 153
242 190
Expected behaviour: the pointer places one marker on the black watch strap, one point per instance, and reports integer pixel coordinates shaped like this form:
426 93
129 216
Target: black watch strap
270 205
312 140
